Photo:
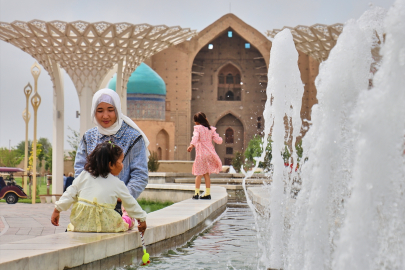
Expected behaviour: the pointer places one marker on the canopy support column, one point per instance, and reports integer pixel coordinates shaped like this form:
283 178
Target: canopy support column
58 135
85 99
119 87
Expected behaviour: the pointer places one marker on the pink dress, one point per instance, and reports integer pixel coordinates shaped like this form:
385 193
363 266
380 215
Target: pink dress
206 159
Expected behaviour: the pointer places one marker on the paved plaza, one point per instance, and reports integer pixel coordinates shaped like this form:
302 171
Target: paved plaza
23 221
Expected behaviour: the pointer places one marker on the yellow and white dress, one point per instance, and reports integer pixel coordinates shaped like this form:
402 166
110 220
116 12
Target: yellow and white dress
94 200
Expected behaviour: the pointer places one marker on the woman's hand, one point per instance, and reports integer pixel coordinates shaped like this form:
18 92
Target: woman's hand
142 226
55 217
190 148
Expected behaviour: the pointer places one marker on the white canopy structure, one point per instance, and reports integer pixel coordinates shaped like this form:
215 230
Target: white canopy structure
90 53
316 40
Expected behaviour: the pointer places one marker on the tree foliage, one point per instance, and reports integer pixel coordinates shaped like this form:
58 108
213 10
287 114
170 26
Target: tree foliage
45 146
237 161
20 148
31 159
153 163
299 149
9 158
255 149
48 161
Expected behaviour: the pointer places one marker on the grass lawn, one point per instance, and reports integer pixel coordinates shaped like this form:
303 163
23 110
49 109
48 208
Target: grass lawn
151 206
148 206
40 182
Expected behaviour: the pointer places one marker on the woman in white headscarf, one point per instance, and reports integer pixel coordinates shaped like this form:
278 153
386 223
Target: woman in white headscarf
112 125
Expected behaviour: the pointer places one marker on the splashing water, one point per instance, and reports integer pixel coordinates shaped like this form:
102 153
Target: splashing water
329 146
350 211
373 234
283 106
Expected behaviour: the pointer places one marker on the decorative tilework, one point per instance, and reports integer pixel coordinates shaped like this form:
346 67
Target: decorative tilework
146 107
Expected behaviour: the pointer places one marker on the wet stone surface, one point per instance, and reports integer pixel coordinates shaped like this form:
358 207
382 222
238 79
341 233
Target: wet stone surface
230 243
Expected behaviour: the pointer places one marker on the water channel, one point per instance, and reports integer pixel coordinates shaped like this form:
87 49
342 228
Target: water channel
230 242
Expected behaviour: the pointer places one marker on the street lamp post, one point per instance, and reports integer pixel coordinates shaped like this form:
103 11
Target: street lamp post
35 101
26 116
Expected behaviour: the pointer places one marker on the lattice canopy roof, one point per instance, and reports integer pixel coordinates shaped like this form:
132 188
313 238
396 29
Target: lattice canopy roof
316 40
87 51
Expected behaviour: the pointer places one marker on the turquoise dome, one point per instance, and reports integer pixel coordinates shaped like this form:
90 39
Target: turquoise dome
143 80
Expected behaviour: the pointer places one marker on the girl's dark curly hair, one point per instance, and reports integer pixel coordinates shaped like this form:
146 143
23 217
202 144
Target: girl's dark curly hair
99 160
202 119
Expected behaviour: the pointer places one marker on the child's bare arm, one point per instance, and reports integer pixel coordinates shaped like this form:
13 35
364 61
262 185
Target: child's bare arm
55 217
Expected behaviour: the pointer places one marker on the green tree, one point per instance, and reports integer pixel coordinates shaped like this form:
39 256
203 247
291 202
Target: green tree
10 158
255 149
21 148
153 162
48 161
286 154
237 161
31 159
73 141
45 145
299 149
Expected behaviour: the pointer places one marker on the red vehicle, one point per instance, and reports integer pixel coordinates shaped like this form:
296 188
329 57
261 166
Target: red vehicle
11 192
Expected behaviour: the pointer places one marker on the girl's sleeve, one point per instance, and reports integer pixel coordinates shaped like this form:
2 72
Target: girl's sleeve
81 156
196 136
132 207
70 195
215 137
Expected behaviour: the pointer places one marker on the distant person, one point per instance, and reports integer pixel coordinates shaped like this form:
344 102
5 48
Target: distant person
206 159
69 181
94 194
112 125
2 183
64 181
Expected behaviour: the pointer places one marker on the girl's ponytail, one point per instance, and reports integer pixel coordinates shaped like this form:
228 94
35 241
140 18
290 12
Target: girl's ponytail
202 119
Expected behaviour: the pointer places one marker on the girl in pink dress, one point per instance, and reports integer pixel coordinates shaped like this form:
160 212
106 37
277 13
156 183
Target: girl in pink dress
206 159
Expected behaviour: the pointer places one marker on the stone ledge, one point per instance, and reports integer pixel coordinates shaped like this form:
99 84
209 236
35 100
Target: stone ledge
167 192
68 250
259 196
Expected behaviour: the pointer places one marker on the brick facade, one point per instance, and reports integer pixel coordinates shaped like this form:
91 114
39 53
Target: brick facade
196 80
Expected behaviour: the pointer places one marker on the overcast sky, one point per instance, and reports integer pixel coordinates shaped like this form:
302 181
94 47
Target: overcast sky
195 14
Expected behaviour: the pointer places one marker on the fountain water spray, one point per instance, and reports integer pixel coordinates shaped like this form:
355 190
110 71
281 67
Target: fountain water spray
349 213
283 107
373 234
320 210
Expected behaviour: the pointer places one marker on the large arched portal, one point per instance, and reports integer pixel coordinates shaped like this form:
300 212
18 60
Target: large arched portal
231 130
230 75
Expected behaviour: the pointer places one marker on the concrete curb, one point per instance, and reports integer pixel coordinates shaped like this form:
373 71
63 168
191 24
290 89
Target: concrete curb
69 250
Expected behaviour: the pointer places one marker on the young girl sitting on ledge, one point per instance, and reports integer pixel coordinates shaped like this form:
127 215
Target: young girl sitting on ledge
94 194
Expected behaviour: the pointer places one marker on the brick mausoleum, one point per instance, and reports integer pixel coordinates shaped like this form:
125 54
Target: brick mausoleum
222 72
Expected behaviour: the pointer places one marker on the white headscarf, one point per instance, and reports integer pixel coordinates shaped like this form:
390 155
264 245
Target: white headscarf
111 97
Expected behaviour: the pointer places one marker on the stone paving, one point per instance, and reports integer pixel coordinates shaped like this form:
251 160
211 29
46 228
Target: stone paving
22 221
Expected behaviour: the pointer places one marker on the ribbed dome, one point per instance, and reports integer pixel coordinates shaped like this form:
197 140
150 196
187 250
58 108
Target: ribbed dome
143 80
